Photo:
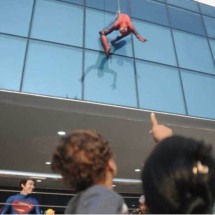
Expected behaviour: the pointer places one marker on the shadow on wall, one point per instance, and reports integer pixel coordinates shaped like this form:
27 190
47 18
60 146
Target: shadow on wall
102 65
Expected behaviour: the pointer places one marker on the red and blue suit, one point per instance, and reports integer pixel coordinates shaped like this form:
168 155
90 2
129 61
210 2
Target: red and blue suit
122 24
21 204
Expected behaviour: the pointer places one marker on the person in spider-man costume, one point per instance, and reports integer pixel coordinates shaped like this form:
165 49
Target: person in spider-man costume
124 26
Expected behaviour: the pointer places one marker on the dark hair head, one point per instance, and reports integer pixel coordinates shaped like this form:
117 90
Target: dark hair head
172 183
24 181
81 158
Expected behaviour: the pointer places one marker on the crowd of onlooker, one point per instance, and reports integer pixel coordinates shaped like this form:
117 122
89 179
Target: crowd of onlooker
178 176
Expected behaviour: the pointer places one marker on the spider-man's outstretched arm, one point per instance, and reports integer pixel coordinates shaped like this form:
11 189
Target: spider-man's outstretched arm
138 36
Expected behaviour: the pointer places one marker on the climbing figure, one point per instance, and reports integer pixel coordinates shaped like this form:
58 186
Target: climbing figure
124 26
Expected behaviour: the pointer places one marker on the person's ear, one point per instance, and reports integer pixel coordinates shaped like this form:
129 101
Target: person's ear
112 166
22 186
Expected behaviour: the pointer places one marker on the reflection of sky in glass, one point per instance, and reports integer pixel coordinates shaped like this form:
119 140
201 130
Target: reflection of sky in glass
189 56
158 48
56 26
212 44
15 16
12 54
199 95
53 70
209 2
159 88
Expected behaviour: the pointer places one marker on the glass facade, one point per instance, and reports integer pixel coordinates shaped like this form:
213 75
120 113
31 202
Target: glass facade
155 91
48 70
52 47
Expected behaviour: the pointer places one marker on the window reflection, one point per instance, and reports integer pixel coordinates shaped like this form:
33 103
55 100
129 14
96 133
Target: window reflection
12 54
185 20
207 10
109 5
209 24
15 16
161 0
147 10
199 92
159 88
54 21
212 44
53 70
159 47
109 80
80 2
186 4
193 52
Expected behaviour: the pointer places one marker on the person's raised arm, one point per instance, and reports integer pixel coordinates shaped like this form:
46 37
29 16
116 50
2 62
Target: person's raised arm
159 132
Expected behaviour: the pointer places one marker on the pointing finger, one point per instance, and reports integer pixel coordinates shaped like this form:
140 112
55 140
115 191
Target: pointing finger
154 120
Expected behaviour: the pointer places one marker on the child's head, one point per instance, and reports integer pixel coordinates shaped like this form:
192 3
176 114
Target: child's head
82 159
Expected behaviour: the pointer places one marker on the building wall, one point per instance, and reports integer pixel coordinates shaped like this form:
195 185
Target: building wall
52 47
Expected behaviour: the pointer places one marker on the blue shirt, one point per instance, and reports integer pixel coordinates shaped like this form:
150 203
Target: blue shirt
21 204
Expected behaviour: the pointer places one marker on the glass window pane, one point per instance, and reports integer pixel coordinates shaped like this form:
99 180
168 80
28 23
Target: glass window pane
159 88
12 52
15 16
212 44
147 10
58 22
80 2
103 21
160 0
53 70
107 80
159 47
98 4
186 21
186 4
108 5
193 52
200 96
210 26
207 10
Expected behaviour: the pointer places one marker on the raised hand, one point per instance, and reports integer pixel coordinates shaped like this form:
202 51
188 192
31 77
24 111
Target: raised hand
159 132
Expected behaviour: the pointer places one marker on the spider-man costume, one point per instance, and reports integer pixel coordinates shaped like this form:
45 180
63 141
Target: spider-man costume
124 26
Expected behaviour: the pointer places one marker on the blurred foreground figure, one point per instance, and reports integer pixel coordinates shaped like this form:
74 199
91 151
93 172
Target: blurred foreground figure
179 175
85 160
142 209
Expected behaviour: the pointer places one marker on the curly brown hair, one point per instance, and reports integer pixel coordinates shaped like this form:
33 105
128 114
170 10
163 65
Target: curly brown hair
81 158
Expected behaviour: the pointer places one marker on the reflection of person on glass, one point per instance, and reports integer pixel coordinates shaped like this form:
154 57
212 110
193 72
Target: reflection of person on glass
124 26
103 68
